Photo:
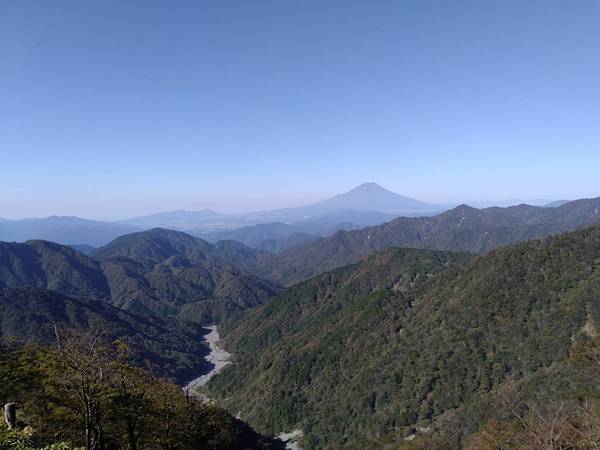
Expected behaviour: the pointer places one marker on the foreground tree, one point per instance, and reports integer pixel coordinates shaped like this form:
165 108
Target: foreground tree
130 399
80 368
94 394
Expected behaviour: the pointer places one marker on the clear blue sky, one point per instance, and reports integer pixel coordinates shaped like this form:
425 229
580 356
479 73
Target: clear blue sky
116 108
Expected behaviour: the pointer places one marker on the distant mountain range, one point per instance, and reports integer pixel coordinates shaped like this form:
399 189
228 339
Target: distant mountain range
556 203
505 203
461 229
365 205
274 231
367 197
174 219
64 230
298 249
271 237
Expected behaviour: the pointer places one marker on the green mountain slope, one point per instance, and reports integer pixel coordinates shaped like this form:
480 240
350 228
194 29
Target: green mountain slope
51 266
30 314
349 362
154 246
169 272
158 272
321 298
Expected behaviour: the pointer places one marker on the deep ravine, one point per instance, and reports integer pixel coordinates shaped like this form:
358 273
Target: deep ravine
221 358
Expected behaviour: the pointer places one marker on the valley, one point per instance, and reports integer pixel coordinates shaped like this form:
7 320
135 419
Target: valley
218 359
300 225
444 331
452 309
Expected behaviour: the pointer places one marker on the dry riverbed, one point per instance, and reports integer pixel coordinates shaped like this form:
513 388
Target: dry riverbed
220 358
291 439
217 356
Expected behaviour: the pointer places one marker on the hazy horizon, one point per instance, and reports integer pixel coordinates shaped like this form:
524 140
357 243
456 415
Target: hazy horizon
475 202
111 110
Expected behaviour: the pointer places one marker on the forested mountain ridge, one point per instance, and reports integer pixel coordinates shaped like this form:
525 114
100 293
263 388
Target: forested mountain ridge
158 272
156 245
47 290
174 278
173 273
52 266
321 297
31 315
388 360
461 229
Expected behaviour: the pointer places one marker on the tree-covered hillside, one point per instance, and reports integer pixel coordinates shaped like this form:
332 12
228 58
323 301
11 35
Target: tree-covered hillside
171 273
157 272
351 362
174 350
51 266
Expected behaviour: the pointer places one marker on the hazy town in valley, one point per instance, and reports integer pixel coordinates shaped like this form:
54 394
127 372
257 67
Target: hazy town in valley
309 225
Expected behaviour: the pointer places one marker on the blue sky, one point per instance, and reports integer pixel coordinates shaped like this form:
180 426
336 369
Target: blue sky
116 108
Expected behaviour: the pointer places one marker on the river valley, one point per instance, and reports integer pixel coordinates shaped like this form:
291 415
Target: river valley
221 358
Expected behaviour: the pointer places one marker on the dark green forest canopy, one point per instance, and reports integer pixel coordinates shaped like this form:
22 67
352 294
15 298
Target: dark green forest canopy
174 350
151 273
347 357
153 288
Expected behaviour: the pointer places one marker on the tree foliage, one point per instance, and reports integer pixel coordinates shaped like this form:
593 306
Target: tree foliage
349 360
91 394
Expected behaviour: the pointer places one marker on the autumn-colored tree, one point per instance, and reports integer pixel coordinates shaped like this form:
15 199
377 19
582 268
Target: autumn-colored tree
80 370
494 435
130 400
93 393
